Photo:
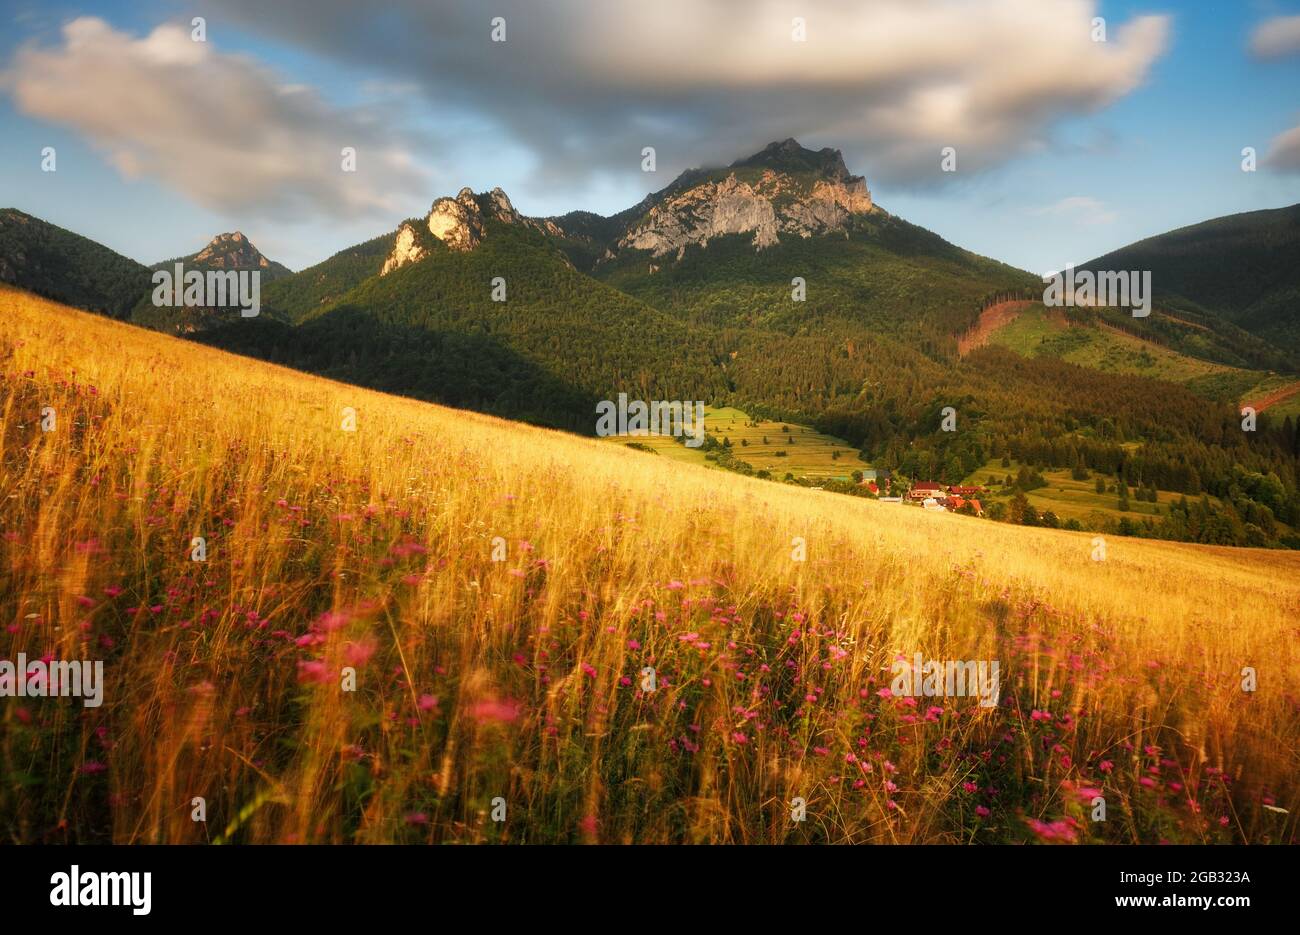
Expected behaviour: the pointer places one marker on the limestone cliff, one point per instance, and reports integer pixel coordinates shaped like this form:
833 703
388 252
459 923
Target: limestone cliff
784 190
460 223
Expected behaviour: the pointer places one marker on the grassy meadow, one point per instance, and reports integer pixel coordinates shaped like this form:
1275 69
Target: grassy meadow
1075 499
1039 330
1278 393
779 447
498 591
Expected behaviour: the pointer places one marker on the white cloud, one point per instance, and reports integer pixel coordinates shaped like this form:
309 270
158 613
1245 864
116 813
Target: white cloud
1284 151
216 127
581 84
1276 37
1080 209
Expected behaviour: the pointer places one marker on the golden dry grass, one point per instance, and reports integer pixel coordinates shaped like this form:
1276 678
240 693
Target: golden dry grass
521 679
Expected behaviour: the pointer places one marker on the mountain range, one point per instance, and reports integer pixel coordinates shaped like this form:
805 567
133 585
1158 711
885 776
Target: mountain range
779 285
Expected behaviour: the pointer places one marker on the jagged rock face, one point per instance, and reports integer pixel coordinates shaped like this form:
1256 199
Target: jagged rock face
460 223
702 213
784 190
231 251
501 205
777 203
828 209
501 208
457 222
407 249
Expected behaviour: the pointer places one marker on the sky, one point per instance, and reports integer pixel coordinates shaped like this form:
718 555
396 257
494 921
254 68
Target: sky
1077 126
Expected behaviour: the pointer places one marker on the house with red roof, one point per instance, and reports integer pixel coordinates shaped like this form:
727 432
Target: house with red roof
956 503
924 490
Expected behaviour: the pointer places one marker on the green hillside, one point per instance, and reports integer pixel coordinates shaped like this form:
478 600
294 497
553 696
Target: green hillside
560 342
299 294
866 367
869 359
50 261
887 275
1243 269
1040 331
780 448
1126 503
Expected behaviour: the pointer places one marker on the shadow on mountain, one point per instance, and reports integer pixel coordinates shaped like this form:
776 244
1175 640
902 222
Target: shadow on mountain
469 371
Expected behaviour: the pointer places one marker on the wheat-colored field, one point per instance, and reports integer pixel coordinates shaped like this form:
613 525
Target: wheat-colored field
510 686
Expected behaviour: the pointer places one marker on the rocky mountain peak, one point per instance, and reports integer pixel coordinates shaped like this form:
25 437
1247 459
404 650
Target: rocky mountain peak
460 223
457 222
406 249
231 251
502 206
790 157
784 189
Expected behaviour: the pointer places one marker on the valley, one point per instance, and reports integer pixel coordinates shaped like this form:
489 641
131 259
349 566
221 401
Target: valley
624 423
1070 498
496 591
780 448
780 288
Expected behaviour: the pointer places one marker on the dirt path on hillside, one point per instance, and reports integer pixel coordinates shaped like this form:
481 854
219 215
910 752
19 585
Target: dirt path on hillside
990 320
1182 321
1273 397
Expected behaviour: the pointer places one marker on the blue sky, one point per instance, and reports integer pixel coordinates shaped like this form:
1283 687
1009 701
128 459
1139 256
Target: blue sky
1166 156
1048 172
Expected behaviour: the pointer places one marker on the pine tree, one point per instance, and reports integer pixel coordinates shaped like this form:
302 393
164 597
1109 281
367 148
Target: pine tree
1018 505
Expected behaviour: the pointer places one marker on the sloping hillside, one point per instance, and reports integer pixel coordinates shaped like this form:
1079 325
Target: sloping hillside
50 261
1243 269
299 294
503 596
778 287
231 252
882 275
558 342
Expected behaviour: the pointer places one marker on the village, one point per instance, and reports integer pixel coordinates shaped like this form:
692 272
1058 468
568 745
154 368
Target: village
929 495
781 451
